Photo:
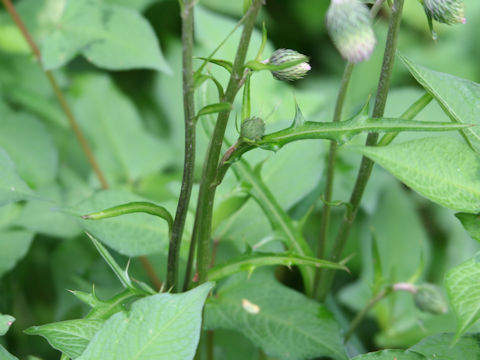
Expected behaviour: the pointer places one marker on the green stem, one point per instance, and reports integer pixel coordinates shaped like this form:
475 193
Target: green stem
203 218
189 156
366 164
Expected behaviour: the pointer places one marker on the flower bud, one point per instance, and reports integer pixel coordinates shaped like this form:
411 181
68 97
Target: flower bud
429 298
445 11
252 129
349 24
295 72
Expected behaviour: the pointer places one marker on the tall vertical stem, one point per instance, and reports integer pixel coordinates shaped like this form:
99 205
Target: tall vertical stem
189 156
366 164
203 216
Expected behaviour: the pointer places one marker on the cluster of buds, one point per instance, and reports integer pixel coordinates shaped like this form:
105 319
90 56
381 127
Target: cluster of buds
349 24
295 72
449 12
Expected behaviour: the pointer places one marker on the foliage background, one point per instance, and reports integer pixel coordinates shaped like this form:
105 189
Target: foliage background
145 158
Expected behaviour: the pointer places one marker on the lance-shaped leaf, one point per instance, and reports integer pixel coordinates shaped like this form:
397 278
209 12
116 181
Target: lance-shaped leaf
227 65
162 326
442 169
459 98
214 108
463 289
249 262
471 223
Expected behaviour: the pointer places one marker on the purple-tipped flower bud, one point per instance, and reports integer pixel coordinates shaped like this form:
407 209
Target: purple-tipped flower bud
252 129
295 72
429 298
349 24
449 12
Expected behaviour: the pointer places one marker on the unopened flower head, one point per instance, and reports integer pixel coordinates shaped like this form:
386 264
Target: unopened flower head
349 24
252 129
295 72
449 12
429 298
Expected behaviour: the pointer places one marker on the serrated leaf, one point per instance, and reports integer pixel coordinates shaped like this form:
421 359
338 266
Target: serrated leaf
283 322
112 37
471 223
442 169
12 186
391 355
70 337
5 322
440 347
459 98
14 244
463 289
163 326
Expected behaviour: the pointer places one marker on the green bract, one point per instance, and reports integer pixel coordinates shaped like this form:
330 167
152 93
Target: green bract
349 24
445 11
282 56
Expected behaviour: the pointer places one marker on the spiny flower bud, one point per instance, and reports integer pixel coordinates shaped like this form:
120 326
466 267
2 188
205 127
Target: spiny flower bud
295 72
429 298
252 129
445 11
349 24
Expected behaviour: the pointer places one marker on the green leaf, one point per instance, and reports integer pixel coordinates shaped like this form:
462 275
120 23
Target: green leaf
442 169
214 108
5 322
391 355
133 234
459 98
14 244
112 37
30 146
162 326
12 186
227 65
471 223
440 347
249 262
5 355
70 337
283 322
463 289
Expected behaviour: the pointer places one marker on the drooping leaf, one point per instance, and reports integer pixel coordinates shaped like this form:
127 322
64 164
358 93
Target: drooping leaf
5 322
283 322
14 244
162 326
471 223
442 169
391 355
463 289
459 98
112 37
70 337
12 186
440 347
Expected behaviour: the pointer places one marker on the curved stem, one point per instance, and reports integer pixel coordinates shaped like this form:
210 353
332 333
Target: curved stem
189 156
366 164
203 218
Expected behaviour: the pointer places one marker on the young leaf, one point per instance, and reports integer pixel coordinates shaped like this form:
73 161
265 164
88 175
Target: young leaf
5 322
390 355
442 169
249 262
471 223
112 37
70 337
12 186
162 326
281 321
440 346
459 98
214 108
463 289
14 244
227 65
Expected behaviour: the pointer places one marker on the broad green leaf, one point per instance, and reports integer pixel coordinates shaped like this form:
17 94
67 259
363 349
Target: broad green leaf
459 98
112 37
163 326
5 322
14 244
471 223
442 169
463 289
440 347
391 355
12 186
70 337
5 355
281 321
133 234
30 146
